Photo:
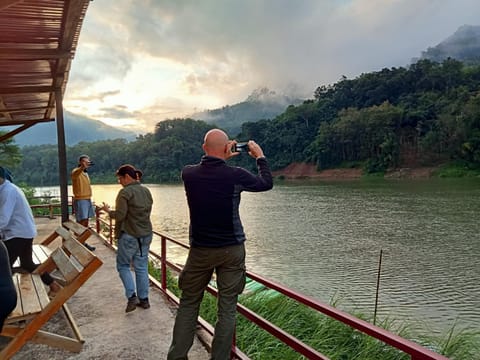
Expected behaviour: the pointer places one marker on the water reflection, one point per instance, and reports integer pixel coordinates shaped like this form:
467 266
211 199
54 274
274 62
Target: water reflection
324 240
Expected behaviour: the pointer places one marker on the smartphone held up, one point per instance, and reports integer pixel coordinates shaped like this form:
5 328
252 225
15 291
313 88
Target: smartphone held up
241 147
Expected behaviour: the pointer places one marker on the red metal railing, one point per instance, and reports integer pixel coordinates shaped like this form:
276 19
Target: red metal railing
411 348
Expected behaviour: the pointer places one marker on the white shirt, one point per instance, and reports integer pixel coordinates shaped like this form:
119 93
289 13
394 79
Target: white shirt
16 218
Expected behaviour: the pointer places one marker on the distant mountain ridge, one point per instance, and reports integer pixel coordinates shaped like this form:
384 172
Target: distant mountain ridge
77 128
463 45
262 103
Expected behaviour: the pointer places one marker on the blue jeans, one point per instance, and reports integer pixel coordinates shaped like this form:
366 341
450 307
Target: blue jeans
130 252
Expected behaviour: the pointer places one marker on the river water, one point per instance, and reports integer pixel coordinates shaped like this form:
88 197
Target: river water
324 240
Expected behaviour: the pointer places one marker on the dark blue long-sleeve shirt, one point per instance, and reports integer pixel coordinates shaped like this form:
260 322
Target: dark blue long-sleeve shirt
8 295
213 193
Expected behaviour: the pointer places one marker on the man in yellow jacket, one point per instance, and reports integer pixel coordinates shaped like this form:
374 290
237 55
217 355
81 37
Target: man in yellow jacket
82 193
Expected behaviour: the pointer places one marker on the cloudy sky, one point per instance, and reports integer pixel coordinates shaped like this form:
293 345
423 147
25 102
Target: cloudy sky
142 61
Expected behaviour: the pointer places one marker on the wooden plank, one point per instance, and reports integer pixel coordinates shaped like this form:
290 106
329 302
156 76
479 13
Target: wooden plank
28 293
42 294
32 297
7 3
83 237
75 227
64 265
17 312
79 252
58 341
35 257
30 301
41 253
73 324
81 233
64 233
58 277
51 237
47 338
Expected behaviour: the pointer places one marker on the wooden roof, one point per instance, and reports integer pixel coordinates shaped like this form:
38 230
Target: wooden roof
38 39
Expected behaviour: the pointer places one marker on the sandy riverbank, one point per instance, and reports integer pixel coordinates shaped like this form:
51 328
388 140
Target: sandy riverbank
309 171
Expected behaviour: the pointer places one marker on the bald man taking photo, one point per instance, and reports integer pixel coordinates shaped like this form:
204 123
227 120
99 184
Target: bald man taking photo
217 239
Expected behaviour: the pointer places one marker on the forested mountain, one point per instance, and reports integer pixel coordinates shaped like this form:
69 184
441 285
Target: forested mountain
463 45
422 115
77 128
160 155
425 114
261 104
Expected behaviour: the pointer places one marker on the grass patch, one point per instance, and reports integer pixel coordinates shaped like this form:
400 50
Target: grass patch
457 170
456 344
328 336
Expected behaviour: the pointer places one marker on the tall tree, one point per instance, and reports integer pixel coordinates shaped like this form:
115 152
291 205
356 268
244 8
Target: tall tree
10 155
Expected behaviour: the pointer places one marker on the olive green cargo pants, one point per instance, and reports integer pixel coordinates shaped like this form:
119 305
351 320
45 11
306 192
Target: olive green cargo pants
229 266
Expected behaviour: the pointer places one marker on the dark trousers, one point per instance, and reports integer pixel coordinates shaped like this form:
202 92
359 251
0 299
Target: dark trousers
22 248
229 265
8 295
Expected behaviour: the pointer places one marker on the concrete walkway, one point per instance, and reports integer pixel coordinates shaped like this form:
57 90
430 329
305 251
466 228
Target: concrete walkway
110 333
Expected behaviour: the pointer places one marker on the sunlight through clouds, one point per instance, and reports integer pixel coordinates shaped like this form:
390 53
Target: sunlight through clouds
142 62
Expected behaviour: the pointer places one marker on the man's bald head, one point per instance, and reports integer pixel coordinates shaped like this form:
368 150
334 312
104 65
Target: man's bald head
215 143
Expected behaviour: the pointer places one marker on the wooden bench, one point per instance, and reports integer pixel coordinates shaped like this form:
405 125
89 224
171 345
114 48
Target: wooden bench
76 264
80 232
41 251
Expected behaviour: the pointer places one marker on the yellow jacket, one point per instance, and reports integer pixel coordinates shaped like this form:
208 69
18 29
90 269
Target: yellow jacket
81 184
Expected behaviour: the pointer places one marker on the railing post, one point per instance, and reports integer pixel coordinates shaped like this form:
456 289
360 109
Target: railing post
164 262
110 230
97 219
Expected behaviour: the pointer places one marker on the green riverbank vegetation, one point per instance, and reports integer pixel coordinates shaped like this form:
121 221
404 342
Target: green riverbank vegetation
328 336
424 115
457 170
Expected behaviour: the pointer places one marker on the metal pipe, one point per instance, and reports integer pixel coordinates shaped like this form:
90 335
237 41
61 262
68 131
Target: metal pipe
378 287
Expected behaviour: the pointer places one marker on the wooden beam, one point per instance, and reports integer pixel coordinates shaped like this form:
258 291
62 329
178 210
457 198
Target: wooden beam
47 338
33 54
25 122
6 114
14 132
16 110
26 90
7 3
